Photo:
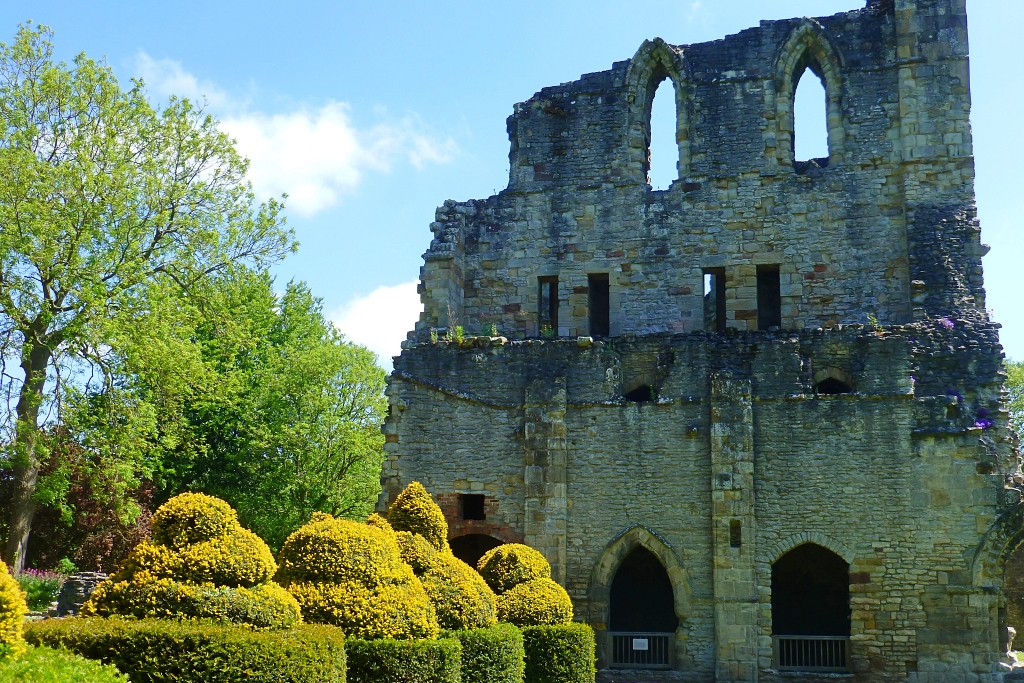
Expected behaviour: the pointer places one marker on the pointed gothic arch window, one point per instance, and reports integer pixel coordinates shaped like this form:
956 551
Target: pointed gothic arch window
810 117
663 147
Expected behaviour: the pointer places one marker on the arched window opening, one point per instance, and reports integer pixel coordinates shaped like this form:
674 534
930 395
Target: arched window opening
471 547
642 394
810 119
811 610
832 386
663 148
642 615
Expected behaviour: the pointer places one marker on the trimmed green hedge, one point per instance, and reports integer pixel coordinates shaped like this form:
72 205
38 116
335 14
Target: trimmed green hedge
160 650
43 665
404 661
491 655
559 654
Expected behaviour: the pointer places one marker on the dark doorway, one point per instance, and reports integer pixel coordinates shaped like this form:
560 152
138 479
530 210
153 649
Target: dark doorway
832 385
642 394
548 306
811 593
599 304
769 298
641 596
471 547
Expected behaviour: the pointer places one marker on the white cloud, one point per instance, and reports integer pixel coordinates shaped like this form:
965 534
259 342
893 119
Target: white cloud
381 320
313 156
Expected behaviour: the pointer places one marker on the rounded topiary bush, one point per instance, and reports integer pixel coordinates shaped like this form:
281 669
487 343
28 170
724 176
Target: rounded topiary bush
540 602
511 564
352 575
201 564
376 520
13 609
416 551
416 512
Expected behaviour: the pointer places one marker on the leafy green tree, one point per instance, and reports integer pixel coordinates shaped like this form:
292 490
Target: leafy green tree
1015 387
110 210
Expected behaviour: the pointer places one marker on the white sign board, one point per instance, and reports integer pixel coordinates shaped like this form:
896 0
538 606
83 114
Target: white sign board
640 643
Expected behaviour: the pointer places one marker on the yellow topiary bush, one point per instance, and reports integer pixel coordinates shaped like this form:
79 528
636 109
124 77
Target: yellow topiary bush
416 512
511 564
352 575
201 564
376 520
540 602
13 609
415 551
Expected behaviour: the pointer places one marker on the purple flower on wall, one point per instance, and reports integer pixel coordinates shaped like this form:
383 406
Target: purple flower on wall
983 422
947 323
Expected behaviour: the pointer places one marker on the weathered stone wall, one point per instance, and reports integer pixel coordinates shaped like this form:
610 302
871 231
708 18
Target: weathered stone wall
911 478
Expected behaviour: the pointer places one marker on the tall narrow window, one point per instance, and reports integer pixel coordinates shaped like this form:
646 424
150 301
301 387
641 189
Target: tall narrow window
810 118
714 299
769 298
599 304
663 148
548 306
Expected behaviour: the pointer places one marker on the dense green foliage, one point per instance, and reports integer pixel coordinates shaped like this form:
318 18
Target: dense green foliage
46 665
404 661
41 588
1015 387
158 354
559 654
151 651
491 655
201 564
352 575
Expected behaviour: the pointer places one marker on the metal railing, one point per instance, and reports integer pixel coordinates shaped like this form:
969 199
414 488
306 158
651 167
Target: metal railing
635 650
823 654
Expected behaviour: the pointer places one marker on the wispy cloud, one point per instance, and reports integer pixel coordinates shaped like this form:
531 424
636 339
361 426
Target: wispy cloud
314 155
381 320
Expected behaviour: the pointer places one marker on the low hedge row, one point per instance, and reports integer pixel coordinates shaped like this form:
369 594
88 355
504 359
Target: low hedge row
491 655
43 665
559 654
404 661
152 650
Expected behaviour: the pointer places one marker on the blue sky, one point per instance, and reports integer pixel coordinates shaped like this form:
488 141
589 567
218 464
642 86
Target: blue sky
372 114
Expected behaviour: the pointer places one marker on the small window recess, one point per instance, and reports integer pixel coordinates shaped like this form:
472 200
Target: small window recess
663 148
599 304
714 299
769 298
810 118
735 533
471 506
548 306
642 394
832 381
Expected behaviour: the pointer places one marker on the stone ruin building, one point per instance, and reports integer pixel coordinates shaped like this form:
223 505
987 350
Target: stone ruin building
756 420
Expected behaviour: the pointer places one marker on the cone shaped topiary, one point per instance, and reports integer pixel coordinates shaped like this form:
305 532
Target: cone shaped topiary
200 564
416 512
13 609
508 565
352 575
460 596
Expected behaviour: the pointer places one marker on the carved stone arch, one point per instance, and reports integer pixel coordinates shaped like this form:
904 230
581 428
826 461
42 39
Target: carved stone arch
655 61
999 543
787 544
808 47
608 564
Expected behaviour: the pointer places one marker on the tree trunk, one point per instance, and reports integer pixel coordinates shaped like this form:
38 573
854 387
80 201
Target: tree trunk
35 359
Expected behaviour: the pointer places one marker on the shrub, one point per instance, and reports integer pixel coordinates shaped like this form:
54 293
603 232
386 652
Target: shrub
379 522
159 650
511 564
416 551
491 655
416 512
200 564
404 661
559 654
535 603
41 587
459 595
44 665
352 575
12 614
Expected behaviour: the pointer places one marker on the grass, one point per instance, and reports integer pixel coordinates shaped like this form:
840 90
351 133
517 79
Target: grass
45 665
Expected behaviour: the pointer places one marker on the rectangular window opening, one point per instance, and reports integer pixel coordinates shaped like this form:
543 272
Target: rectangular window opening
735 533
548 306
769 298
471 506
714 299
599 304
